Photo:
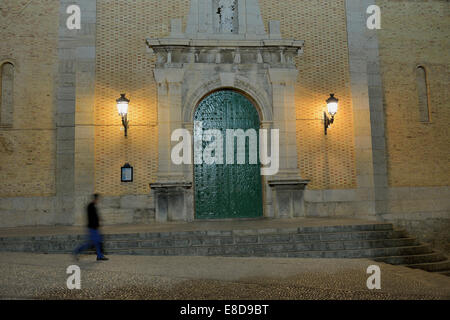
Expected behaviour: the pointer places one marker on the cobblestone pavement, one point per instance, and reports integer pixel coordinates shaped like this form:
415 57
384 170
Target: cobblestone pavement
37 276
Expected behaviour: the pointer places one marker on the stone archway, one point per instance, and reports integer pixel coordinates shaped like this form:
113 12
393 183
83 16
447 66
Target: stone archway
260 97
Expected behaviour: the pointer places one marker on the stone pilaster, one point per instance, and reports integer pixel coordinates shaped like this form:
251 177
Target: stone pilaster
173 195
368 111
169 119
283 88
74 114
287 187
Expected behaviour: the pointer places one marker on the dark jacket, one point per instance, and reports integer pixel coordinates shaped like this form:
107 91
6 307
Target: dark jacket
93 220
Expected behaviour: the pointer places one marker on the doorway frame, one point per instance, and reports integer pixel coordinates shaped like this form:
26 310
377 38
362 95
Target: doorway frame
263 178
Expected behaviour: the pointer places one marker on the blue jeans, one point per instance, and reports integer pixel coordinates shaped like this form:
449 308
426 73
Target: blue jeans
95 238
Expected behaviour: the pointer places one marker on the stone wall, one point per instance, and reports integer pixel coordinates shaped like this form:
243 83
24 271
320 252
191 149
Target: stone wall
423 211
27 148
127 209
416 33
29 33
400 175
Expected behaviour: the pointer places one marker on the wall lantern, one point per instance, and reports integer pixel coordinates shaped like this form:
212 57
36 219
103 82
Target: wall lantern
332 106
126 173
122 108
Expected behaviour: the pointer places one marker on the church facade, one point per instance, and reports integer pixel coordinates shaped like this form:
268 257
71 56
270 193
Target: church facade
227 64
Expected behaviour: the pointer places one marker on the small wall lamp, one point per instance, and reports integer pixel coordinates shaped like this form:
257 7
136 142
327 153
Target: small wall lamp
122 108
332 106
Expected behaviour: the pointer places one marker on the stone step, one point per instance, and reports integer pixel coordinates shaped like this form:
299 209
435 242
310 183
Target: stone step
311 246
445 273
380 242
365 235
239 232
440 266
400 242
291 242
361 253
316 244
270 250
183 238
265 236
319 245
412 259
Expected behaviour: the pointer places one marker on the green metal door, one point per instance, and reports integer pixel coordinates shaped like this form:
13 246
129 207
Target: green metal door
224 191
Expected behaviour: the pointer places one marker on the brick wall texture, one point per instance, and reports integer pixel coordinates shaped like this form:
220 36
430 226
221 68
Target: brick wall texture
28 39
328 161
125 66
416 33
413 32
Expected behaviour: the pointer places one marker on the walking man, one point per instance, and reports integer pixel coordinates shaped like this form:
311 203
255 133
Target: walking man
95 237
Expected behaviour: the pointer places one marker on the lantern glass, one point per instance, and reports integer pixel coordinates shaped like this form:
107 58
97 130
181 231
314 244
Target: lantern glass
122 105
332 105
332 108
122 108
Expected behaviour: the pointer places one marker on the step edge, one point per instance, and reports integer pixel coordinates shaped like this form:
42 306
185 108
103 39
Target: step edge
232 235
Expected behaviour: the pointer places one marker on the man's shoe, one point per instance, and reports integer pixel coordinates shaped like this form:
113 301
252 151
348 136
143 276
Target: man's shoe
102 259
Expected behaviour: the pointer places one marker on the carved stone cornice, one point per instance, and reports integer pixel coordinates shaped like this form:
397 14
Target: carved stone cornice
176 52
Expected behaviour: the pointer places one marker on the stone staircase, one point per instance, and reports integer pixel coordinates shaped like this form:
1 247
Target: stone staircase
378 241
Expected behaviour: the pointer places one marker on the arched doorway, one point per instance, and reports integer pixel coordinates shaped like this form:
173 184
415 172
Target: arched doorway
227 191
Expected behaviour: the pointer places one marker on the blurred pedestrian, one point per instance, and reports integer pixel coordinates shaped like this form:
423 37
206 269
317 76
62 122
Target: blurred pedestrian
94 236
